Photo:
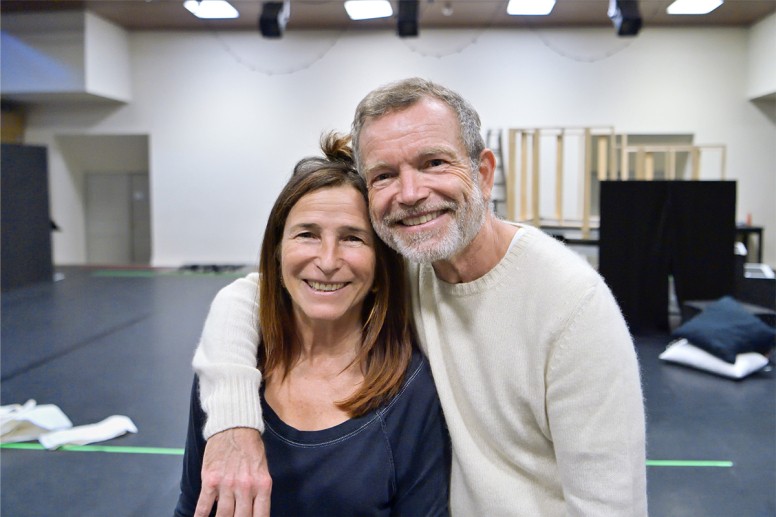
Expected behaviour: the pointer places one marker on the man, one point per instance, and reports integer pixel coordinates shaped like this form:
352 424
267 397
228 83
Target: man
532 359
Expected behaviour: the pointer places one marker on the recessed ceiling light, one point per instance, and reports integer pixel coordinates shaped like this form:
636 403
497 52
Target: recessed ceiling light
211 9
368 9
693 6
530 7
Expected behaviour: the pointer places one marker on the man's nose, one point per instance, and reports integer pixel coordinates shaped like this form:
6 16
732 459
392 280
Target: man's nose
412 188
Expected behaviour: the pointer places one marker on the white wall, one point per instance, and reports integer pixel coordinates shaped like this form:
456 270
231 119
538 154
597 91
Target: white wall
762 58
107 59
228 114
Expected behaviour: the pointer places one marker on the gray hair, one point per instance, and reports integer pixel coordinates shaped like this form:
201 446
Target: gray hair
406 93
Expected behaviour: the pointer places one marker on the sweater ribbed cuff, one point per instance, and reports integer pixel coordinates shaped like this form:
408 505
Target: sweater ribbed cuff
233 402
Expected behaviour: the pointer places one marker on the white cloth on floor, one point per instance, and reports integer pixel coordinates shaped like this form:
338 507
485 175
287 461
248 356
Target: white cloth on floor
22 423
48 424
111 427
683 352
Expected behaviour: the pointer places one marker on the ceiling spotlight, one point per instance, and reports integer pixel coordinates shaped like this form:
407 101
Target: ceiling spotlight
693 6
447 9
211 9
530 7
273 18
625 16
368 9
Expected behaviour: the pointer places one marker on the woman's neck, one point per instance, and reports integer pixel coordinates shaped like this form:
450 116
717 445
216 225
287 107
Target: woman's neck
329 341
325 373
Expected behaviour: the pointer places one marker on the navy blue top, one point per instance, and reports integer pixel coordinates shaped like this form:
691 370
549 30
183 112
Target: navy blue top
391 461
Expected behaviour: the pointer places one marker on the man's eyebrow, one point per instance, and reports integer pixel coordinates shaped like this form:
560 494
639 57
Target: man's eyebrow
423 154
366 171
437 150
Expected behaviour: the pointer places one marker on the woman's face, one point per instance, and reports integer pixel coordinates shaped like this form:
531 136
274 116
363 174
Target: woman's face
328 255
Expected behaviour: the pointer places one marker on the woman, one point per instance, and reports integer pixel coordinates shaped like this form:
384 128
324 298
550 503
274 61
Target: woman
353 425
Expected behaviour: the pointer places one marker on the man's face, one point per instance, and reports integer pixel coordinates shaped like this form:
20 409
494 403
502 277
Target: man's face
423 200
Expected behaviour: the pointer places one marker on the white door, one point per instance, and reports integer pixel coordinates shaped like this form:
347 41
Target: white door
117 218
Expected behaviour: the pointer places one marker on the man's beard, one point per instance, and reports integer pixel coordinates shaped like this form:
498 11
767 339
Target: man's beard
437 244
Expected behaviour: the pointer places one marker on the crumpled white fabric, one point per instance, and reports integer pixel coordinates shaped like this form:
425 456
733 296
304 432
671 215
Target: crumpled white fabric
683 352
111 427
52 428
22 423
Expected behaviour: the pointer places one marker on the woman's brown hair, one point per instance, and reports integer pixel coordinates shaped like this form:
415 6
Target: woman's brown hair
386 344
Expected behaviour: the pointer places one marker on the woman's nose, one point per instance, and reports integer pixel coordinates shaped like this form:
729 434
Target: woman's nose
328 256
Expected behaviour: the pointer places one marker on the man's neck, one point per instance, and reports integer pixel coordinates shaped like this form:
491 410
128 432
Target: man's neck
481 255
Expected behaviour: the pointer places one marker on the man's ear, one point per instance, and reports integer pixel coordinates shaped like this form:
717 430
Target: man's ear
487 172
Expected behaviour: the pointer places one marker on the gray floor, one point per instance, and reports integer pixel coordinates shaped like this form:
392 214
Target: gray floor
98 344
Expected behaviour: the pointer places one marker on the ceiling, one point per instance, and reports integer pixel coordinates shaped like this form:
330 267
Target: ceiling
330 14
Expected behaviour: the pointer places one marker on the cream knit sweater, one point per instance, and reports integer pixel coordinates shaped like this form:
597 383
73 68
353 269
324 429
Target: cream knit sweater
535 370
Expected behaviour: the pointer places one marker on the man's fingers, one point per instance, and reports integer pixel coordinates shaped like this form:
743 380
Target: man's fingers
261 504
207 498
225 506
234 472
243 507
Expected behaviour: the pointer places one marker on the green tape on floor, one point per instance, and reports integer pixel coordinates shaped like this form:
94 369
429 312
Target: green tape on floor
97 448
689 463
118 273
179 452
121 273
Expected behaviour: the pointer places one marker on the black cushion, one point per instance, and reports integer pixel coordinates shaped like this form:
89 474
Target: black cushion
725 329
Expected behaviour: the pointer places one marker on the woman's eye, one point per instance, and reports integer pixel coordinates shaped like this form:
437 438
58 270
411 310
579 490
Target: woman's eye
354 238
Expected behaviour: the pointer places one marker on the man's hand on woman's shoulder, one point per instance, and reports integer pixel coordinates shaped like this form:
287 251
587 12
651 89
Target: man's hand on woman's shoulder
236 475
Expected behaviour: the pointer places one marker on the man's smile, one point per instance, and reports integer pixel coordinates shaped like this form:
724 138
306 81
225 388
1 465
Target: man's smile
420 219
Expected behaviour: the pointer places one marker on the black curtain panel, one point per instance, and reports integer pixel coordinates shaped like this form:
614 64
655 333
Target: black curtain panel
26 225
651 230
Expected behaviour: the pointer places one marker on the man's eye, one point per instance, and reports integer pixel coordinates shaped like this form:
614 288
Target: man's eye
438 162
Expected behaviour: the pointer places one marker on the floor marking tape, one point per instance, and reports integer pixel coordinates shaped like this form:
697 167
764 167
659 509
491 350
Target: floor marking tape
97 448
154 274
179 452
689 463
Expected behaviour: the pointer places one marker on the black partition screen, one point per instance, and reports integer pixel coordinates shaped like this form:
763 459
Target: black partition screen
653 229
26 225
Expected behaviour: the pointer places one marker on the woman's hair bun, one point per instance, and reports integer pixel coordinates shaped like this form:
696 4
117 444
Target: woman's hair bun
336 148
